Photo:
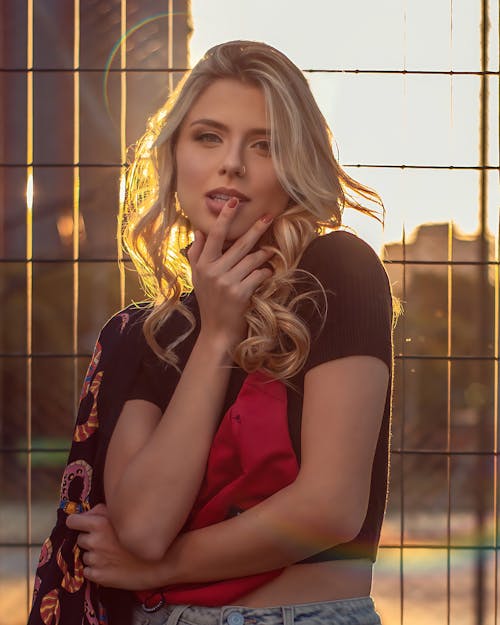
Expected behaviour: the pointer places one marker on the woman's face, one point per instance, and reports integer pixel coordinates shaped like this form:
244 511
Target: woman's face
223 150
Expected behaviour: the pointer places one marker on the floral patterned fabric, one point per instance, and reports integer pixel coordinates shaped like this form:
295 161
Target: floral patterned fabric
251 458
62 596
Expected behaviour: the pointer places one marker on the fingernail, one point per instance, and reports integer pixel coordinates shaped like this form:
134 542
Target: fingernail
266 218
233 202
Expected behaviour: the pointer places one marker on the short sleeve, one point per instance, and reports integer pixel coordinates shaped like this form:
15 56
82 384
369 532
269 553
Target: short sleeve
153 381
359 313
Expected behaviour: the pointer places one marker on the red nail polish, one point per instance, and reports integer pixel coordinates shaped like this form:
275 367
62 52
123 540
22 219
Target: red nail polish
233 202
266 218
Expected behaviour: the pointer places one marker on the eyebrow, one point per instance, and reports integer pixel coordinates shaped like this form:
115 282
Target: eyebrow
215 124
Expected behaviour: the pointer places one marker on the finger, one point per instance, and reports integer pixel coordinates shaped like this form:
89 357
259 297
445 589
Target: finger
246 265
254 280
84 522
84 541
218 233
244 244
90 574
196 247
89 558
100 510
78 522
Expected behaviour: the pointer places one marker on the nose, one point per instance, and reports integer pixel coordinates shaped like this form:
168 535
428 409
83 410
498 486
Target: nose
232 163
236 170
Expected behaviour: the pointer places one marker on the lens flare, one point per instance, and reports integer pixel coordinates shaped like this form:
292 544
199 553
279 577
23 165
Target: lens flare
122 41
423 556
29 193
122 189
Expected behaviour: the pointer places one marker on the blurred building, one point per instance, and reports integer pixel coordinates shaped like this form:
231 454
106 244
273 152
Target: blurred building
445 357
78 136
95 117
436 243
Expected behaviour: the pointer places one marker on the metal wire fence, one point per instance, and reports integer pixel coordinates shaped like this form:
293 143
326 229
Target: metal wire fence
73 79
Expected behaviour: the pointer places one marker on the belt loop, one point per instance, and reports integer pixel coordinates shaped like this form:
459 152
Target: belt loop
288 614
175 615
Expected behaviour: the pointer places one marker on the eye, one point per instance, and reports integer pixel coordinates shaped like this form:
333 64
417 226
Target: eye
264 145
207 137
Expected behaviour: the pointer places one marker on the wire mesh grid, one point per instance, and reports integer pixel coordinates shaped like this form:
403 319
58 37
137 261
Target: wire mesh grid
91 283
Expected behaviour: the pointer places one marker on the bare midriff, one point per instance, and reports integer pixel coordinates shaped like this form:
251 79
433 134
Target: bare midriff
313 582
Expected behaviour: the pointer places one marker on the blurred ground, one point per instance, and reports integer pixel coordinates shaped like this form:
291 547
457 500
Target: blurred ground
425 574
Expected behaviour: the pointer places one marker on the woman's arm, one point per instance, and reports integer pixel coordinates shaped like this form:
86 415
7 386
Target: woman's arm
342 412
155 463
343 407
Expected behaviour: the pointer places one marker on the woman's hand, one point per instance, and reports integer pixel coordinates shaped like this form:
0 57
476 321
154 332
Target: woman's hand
106 562
147 448
225 281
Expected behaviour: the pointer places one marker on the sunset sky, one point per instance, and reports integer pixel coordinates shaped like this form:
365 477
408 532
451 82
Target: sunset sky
385 119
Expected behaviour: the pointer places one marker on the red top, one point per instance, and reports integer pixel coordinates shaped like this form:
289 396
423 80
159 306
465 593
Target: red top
358 322
251 458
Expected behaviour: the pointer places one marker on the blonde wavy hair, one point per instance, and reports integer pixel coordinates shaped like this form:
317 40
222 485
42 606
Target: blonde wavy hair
155 232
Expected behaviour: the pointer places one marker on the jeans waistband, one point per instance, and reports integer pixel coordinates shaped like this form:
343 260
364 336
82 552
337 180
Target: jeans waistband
355 611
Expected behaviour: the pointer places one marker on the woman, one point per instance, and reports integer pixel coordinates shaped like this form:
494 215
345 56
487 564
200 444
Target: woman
237 427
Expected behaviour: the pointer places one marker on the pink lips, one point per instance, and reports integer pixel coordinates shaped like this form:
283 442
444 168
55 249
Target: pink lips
228 192
215 205
217 198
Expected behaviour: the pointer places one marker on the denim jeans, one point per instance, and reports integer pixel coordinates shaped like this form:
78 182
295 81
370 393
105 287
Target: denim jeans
356 611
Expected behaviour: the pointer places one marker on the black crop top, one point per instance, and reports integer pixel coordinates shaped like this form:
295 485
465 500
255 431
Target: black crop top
358 322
